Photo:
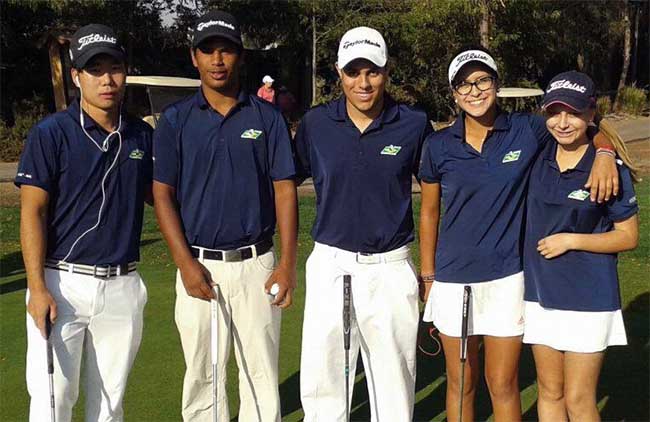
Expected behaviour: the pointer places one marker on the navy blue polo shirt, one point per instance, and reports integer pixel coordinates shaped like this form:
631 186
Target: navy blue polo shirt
60 159
558 203
362 180
483 196
223 168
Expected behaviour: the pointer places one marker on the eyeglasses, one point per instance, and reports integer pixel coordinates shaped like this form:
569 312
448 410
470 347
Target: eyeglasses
482 84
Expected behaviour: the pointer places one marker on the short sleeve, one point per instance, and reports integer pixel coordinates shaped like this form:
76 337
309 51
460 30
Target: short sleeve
538 125
165 153
625 205
426 131
303 161
280 151
428 167
38 164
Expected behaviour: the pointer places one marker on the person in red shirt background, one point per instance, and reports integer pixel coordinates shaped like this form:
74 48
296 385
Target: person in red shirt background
266 91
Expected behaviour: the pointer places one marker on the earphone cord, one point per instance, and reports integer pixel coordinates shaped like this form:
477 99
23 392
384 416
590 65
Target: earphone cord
103 148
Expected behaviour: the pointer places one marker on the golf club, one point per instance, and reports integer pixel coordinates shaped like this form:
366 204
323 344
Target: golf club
50 363
347 297
214 349
467 292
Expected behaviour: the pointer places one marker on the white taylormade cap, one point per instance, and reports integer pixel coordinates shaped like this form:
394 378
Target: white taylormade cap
470 56
362 43
267 78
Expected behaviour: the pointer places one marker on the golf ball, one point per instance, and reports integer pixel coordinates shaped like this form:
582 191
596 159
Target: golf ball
274 289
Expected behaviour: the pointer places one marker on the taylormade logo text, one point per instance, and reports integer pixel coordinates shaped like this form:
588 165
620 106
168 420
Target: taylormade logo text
357 42
208 24
564 84
94 38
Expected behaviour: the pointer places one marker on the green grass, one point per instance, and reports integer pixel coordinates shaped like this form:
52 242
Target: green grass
154 388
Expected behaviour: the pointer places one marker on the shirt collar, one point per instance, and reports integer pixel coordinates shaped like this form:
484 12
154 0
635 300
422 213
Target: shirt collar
584 165
202 102
89 123
337 110
501 123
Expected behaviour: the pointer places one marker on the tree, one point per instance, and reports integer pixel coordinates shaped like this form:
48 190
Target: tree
626 52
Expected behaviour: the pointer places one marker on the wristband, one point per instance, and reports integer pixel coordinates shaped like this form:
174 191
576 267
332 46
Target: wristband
606 147
606 151
427 278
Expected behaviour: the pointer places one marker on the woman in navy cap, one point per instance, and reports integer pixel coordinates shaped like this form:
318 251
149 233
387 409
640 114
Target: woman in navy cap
572 300
480 167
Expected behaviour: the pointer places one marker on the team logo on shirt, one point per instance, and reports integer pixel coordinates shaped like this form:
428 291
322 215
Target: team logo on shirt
511 156
251 134
136 154
391 150
579 195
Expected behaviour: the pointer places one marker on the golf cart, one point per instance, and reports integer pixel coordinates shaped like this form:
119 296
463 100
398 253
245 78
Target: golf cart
161 91
525 99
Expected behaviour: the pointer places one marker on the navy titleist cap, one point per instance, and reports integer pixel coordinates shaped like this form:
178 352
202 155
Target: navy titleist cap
572 89
216 24
92 40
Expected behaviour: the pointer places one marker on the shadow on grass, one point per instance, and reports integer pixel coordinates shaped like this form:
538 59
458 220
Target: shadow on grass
625 374
290 394
13 286
12 264
146 242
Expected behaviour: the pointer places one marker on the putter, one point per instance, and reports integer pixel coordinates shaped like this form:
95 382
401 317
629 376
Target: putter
50 363
214 350
463 347
347 298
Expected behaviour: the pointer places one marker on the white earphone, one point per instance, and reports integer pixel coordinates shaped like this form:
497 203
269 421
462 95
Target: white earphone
103 148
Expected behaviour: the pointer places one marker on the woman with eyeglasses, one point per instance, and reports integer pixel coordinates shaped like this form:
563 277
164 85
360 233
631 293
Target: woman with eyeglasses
572 299
480 167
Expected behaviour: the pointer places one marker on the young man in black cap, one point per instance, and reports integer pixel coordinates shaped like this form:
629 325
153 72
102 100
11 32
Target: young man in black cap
223 173
84 176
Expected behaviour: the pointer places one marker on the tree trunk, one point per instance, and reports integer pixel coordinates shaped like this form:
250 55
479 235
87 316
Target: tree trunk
313 55
633 65
626 53
484 25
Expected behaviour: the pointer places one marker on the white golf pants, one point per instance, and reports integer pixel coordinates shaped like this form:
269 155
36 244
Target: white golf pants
384 326
249 322
99 320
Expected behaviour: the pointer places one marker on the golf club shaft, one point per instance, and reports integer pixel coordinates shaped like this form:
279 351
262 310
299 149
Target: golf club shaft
50 363
214 351
347 298
467 292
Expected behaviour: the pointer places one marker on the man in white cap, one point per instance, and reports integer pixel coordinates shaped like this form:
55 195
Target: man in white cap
361 151
266 91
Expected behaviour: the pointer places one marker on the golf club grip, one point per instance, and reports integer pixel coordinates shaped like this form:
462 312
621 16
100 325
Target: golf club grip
48 332
214 332
347 293
467 292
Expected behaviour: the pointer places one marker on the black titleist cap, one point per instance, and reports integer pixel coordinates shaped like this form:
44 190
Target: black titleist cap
216 24
573 89
92 40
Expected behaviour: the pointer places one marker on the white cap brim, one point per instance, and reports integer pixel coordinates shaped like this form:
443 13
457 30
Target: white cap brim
470 56
362 43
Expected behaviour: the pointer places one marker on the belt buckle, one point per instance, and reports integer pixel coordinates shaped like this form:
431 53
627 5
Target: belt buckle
108 271
368 258
233 255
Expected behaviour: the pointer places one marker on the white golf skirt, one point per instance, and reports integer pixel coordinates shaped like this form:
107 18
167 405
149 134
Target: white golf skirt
573 331
496 307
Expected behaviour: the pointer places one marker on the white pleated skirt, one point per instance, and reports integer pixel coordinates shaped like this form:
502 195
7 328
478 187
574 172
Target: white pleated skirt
573 331
496 307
